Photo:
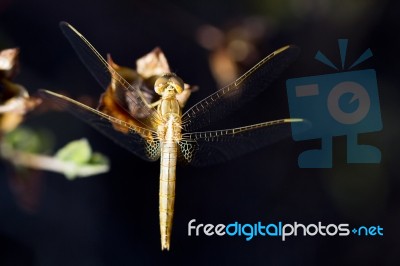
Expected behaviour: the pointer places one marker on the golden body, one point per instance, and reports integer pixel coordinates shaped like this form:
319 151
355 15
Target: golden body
169 134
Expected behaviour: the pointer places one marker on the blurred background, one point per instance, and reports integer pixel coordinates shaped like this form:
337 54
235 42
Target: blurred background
112 219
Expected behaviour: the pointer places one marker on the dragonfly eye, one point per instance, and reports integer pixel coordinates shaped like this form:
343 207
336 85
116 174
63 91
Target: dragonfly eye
160 84
178 83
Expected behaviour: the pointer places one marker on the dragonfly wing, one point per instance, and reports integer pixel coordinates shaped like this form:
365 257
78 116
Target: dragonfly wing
244 89
213 147
105 74
140 141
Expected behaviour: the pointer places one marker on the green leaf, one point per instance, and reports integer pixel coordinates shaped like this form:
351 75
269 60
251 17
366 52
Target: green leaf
29 140
77 151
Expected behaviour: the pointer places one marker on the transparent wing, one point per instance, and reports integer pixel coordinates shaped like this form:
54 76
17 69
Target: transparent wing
213 147
105 74
140 141
244 89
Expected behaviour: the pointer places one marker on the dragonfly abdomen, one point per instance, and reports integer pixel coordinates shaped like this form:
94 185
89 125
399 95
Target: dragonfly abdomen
167 190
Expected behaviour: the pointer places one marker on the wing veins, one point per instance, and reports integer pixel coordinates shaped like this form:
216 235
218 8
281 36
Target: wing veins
139 130
140 100
237 130
226 99
218 146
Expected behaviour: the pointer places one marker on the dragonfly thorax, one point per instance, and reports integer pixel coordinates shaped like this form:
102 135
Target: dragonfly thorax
169 106
168 86
170 130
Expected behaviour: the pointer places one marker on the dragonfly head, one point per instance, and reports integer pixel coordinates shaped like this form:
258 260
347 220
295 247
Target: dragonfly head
170 83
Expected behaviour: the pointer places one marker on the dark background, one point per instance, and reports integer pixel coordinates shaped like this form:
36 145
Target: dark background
112 219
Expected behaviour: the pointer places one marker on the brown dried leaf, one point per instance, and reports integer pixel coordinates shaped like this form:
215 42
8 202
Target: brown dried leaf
14 104
9 63
14 98
116 100
152 64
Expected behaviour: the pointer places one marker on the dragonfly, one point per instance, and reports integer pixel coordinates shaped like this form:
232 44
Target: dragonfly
160 130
